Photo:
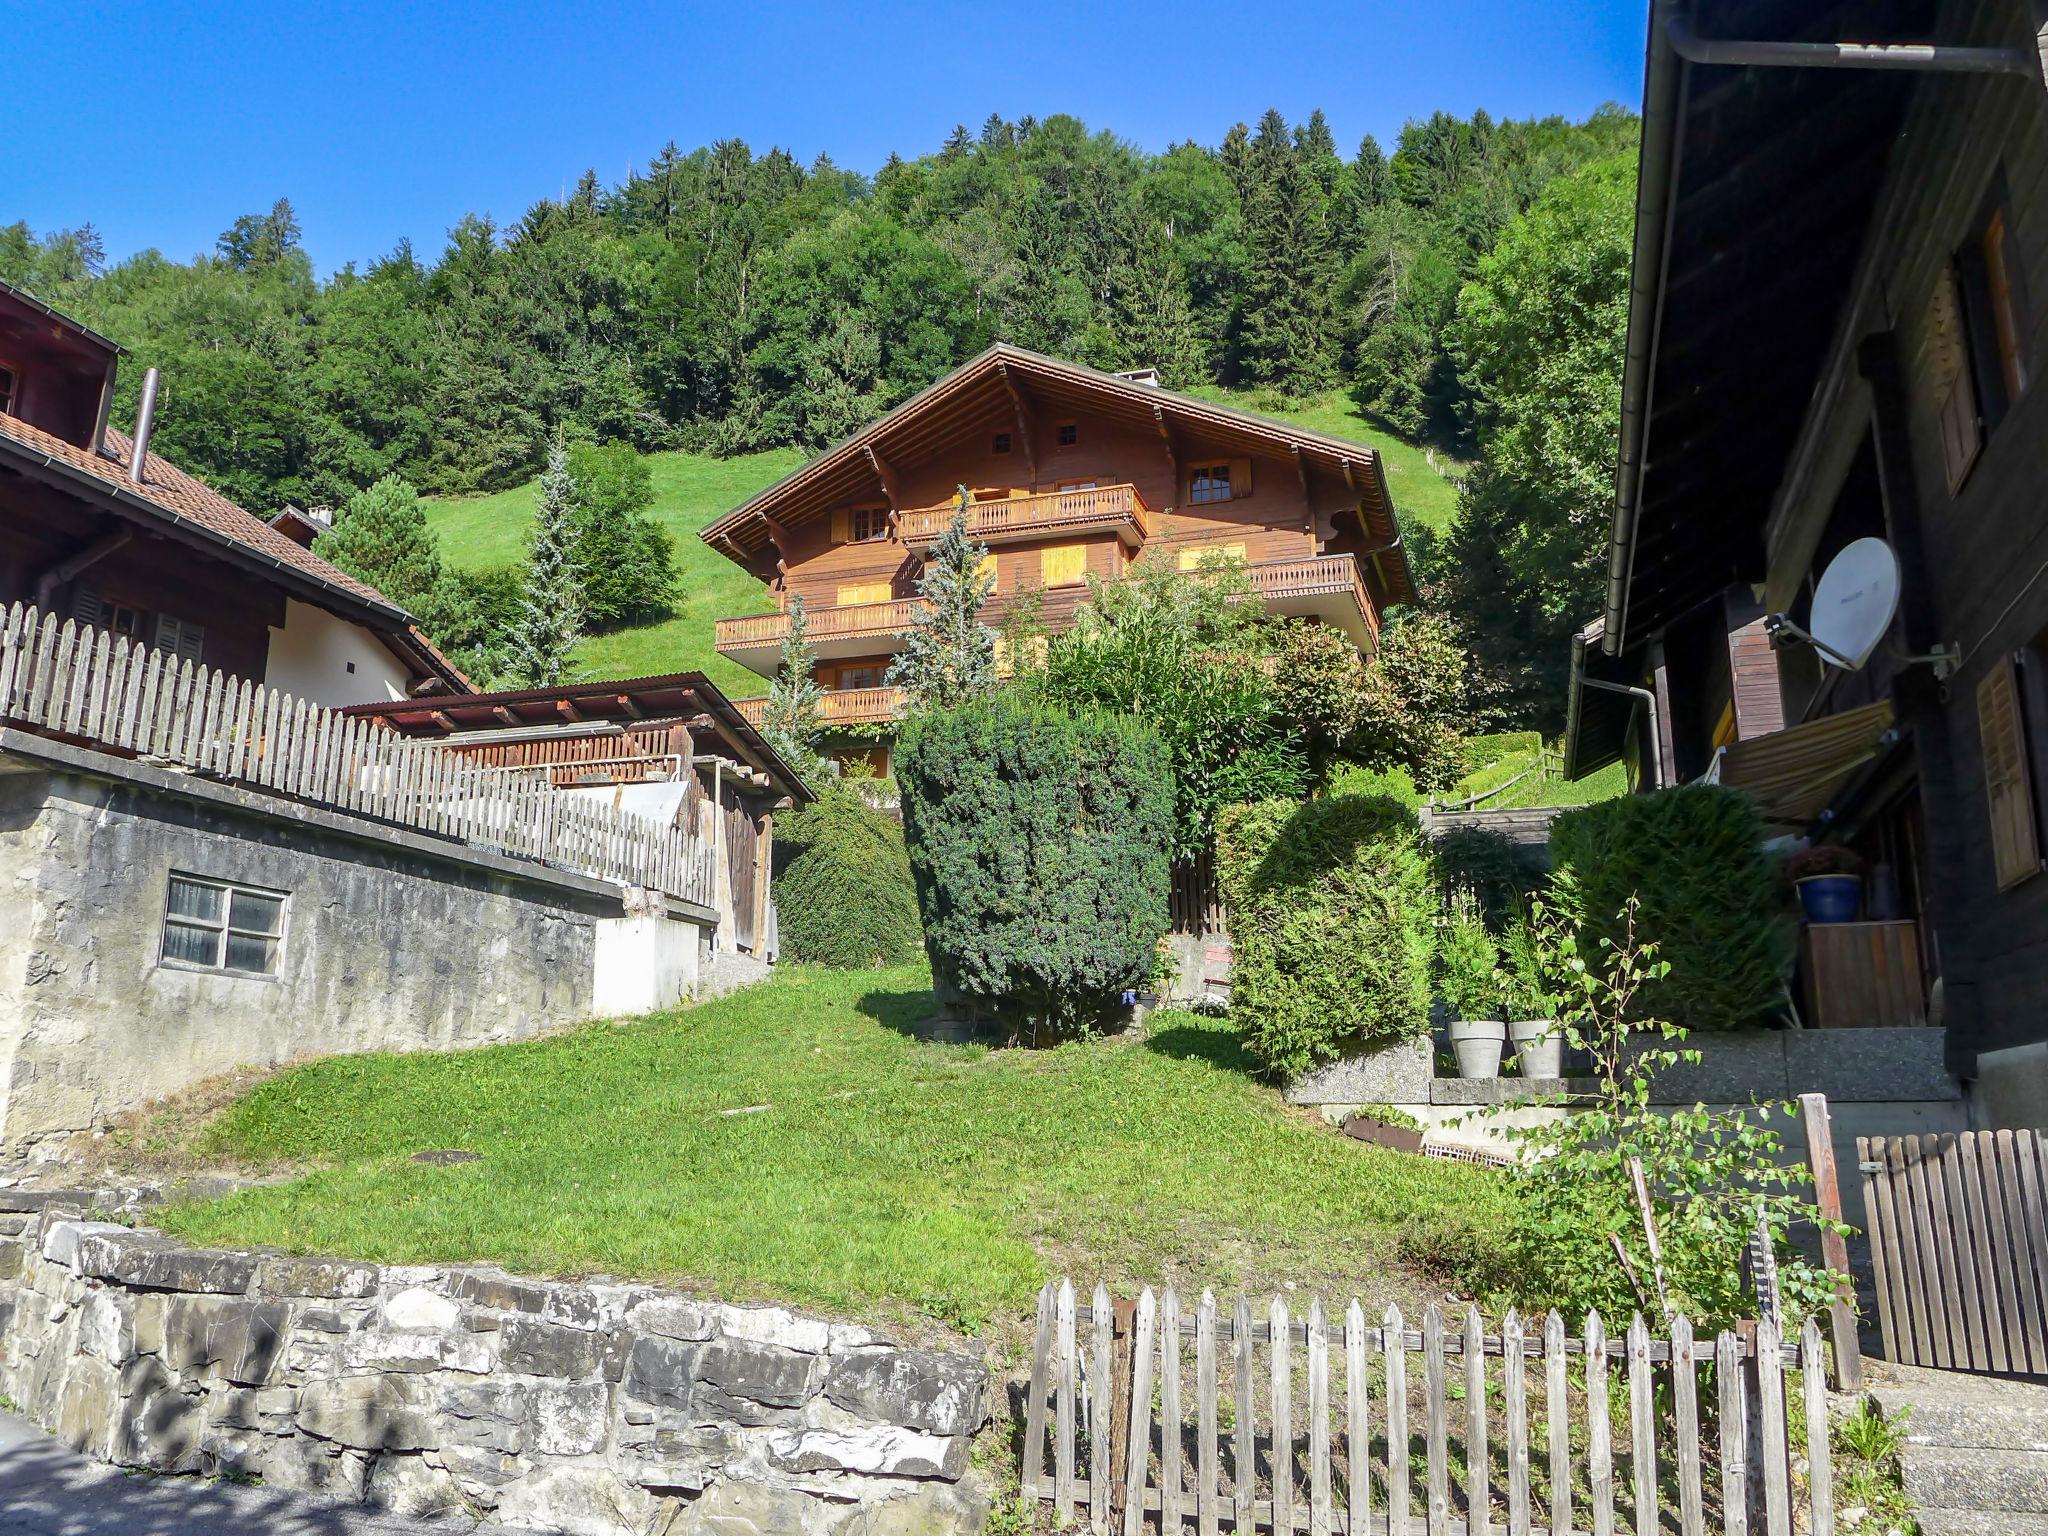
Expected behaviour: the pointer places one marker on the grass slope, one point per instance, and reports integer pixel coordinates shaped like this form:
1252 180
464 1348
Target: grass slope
792 1141
690 489
1503 760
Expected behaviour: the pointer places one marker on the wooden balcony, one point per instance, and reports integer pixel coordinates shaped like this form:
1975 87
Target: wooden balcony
1117 509
842 706
1328 587
856 629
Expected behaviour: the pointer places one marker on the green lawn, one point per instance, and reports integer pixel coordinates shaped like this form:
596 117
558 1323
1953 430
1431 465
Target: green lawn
793 1142
690 489
1498 760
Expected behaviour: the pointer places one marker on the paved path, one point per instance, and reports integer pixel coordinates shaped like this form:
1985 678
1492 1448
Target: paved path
46 1489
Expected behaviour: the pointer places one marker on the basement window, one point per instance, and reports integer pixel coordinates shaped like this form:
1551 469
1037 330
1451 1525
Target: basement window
215 925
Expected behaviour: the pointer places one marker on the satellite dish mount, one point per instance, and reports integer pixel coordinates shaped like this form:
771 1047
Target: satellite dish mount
1853 608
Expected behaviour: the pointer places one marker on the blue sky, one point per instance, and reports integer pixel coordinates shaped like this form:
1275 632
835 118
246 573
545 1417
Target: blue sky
161 122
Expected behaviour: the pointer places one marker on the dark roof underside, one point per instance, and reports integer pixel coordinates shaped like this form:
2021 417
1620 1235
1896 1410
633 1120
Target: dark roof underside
1777 173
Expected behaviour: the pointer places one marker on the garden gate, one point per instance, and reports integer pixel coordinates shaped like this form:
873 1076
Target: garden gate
1137 1432
1960 1248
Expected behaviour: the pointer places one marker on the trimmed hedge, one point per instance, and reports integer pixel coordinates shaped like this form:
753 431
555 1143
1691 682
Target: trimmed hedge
844 894
1038 838
1330 904
1693 857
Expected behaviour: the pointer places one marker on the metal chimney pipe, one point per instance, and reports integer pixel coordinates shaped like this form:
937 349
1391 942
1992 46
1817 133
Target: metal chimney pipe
145 418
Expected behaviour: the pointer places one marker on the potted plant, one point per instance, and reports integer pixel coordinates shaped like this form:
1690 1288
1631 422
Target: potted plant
1829 879
1385 1126
1469 981
1531 1004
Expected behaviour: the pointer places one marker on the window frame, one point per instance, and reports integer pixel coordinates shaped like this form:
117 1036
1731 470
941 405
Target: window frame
875 519
225 929
1000 443
1196 487
1068 434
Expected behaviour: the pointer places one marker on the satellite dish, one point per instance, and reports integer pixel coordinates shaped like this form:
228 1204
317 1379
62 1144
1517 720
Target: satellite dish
1855 602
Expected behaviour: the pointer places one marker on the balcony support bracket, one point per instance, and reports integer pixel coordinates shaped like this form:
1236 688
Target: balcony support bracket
1027 437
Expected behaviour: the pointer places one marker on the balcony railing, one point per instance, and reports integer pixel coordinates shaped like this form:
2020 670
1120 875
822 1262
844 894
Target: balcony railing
1116 508
853 622
1315 576
842 706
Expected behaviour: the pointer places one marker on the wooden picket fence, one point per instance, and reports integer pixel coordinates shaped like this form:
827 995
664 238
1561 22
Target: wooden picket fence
1959 1242
1135 1438
105 690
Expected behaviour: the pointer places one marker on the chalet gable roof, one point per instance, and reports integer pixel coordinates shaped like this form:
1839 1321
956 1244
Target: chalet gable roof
1004 385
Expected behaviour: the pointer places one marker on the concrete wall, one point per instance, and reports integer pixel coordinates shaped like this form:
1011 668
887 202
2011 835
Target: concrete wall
312 655
393 941
581 1408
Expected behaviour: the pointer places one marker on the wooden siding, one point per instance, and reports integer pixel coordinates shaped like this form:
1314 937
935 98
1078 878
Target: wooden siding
1985 541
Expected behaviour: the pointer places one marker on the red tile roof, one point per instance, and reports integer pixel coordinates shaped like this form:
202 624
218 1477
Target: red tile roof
185 499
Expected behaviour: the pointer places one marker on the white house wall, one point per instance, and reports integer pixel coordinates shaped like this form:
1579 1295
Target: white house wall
331 661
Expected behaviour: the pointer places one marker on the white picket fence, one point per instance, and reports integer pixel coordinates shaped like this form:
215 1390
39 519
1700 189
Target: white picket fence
1725 1461
103 689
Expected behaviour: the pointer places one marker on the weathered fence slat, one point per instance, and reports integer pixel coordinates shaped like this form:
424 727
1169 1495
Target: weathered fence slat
1318 1419
1205 1410
1065 1411
1642 1411
1599 1436
1770 1370
1244 1469
1033 1473
1169 1414
1103 1321
1358 1425
1398 1444
1437 1432
1685 1408
1734 1431
1280 1345
1558 1420
1141 1415
1820 1473
1515 1402
1478 1494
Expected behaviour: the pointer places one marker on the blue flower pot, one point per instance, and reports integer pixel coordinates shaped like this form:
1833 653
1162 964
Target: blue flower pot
1831 898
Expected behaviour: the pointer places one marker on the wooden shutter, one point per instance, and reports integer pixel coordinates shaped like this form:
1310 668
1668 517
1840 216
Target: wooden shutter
842 526
1945 368
88 607
2005 315
2008 780
986 566
1062 565
1240 478
853 592
1195 556
182 639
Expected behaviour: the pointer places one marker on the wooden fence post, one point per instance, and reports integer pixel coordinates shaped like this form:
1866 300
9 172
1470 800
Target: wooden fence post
1834 1248
1123 1328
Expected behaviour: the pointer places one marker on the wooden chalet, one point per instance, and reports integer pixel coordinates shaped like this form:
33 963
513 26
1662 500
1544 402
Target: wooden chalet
1072 473
95 527
1837 327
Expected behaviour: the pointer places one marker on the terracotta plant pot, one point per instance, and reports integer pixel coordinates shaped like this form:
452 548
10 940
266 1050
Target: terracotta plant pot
1478 1044
1539 1047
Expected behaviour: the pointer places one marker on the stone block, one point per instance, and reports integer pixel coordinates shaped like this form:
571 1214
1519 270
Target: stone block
673 1318
569 1420
772 1374
404 1350
408 1486
106 1327
944 1394
497 1290
240 1340
1391 1074
922 1509
371 1413
678 1455
87 1398
487 1414
419 1308
539 1348
880 1450
156 1426
774 1325
1866 1065
580 1499
205 1271
62 1239
661 1372
732 1507
480 1471
270 1410
327 1279
577 1306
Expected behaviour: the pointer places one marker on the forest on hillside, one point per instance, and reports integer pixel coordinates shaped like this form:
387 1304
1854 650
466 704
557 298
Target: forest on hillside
1467 290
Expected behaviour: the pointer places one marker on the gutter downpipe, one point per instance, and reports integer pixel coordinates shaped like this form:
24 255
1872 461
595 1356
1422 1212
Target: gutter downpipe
1663 88
1649 701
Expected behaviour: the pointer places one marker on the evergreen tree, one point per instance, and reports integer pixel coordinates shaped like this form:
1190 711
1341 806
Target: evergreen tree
1152 322
627 564
949 655
1285 336
381 536
796 704
551 617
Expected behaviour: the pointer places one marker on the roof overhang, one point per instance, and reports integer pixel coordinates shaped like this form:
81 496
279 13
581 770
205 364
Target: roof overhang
983 395
1756 187
1598 720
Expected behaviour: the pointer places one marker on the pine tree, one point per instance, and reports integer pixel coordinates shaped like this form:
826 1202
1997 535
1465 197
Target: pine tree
1285 339
1152 320
551 617
796 704
949 655
381 537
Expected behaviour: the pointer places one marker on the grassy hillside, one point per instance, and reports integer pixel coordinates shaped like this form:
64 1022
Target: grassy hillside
691 489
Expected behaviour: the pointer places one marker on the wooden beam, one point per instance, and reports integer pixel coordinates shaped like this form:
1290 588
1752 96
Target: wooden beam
1308 501
505 716
1027 422
442 719
630 709
887 477
1172 454
567 710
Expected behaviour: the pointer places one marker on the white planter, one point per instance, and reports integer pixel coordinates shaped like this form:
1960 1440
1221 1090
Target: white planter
1477 1044
1539 1047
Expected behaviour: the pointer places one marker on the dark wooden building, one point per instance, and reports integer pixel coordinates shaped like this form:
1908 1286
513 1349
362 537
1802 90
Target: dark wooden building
1837 328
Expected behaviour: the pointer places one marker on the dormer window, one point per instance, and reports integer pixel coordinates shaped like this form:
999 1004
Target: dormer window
6 390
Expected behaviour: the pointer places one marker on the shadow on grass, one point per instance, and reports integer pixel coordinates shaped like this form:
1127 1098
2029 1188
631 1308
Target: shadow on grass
902 1011
1217 1044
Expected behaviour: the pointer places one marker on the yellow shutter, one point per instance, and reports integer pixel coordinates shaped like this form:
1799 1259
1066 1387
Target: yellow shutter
863 592
1063 565
986 566
1240 478
1944 367
1194 557
842 526
2008 785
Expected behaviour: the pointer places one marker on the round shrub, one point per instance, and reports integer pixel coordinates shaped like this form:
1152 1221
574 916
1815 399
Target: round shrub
1329 926
1038 838
844 895
1693 858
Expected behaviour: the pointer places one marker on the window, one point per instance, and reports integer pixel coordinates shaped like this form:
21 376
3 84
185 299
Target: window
212 925
1069 434
89 607
182 638
1063 565
860 525
1199 555
2008 777
1075 485
1223 481
1974 353
853 592
1002 443
6 391
867 675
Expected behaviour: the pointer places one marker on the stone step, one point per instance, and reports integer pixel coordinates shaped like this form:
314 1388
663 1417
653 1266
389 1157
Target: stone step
1975 1522
2001 1481
1947 1408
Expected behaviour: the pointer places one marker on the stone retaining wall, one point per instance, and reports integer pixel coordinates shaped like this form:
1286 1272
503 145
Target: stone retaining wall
578 1407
